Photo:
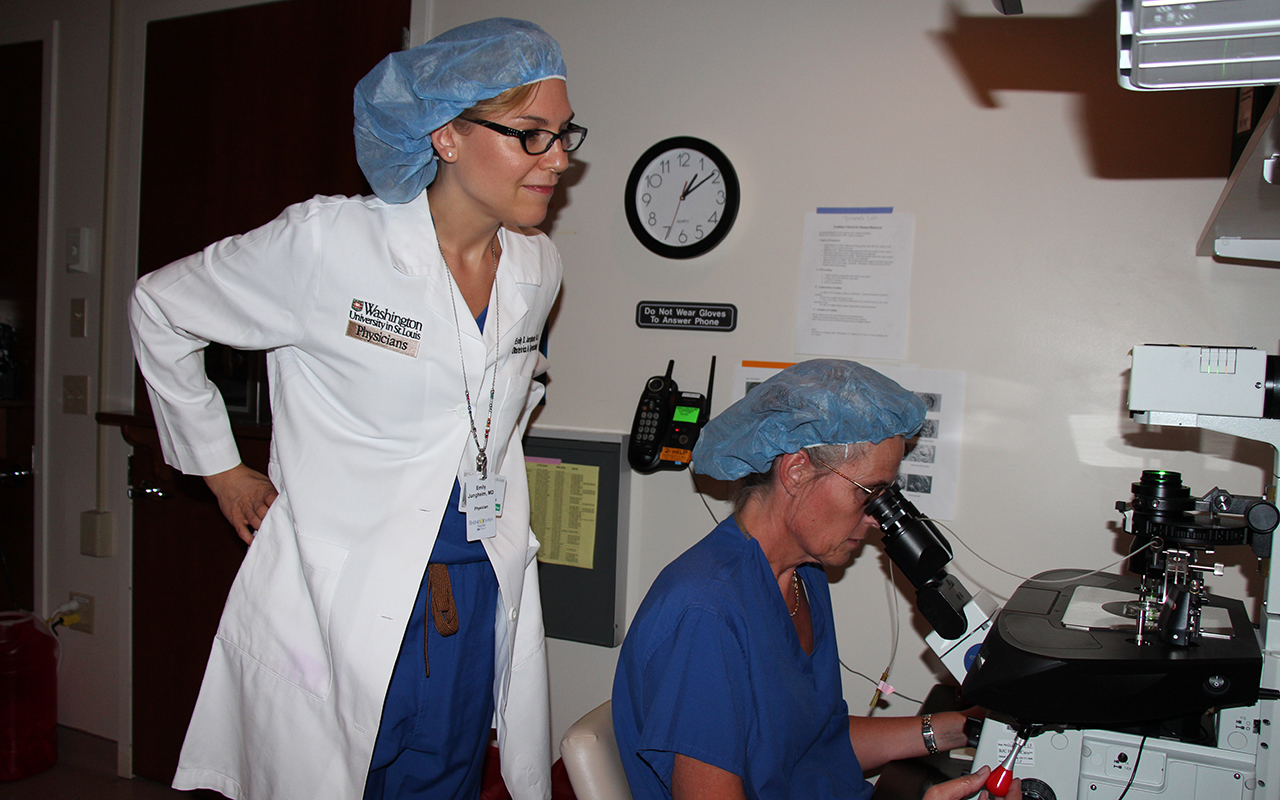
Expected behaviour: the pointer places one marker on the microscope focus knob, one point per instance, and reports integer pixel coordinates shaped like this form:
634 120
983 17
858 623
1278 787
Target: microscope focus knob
1262 517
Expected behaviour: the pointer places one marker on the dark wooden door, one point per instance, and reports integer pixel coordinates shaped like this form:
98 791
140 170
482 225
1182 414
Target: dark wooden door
22 66
246 111
180 582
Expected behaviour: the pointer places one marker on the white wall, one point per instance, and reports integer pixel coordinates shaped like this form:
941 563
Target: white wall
1037 266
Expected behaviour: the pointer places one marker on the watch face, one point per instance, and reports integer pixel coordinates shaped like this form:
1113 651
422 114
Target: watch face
682 197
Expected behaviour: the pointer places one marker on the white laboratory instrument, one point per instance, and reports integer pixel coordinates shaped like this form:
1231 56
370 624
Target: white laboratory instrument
1149 686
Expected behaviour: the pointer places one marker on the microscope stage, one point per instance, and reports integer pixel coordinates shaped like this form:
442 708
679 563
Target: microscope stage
1063 651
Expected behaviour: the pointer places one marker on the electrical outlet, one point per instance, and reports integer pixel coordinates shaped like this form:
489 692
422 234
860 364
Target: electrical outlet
85 625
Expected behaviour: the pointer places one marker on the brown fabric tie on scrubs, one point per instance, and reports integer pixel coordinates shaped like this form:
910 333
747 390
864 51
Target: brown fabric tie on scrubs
444 611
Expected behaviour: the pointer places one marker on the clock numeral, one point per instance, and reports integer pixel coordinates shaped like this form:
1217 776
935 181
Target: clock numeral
653 219
720 197
715 177
664 165
714 218
684 159
699 231
653 180
668 227
683 237
647 198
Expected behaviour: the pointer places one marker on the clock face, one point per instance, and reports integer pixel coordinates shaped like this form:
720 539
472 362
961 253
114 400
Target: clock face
682 197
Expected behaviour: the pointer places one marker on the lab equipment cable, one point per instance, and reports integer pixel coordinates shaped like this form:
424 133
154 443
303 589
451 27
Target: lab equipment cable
873 682
882 687
1025 578
895 630
1136 760
897 620
704 499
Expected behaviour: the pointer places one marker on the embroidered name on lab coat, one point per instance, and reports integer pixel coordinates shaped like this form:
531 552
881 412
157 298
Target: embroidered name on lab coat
525 344
384 327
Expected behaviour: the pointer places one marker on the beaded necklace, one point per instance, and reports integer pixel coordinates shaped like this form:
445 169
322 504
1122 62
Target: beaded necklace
482 460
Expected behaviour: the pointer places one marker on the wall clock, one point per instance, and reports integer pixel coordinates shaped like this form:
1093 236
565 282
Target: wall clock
682 197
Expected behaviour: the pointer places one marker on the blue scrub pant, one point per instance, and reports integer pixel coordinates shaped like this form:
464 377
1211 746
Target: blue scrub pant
435 730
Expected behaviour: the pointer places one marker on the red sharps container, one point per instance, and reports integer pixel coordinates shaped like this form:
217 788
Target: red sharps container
28 696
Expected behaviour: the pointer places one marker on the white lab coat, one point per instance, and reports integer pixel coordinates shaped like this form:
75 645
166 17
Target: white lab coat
367 439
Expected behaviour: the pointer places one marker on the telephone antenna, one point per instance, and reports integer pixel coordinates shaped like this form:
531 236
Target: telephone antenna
711 382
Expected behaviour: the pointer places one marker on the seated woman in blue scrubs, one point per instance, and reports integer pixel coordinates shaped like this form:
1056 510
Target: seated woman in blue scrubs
728 683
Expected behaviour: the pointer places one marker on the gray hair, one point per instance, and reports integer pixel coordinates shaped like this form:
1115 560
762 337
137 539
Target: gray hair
758 484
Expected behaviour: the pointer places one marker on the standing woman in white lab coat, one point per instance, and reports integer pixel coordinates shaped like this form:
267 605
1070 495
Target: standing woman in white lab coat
375 630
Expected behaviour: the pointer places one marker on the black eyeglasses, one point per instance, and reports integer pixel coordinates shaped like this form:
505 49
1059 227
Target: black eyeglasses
872 494
537 141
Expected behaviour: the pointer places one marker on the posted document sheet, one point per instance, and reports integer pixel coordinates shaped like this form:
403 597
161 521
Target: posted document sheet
855 278
563 499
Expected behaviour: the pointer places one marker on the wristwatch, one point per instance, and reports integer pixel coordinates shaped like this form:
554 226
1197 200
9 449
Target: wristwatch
926 730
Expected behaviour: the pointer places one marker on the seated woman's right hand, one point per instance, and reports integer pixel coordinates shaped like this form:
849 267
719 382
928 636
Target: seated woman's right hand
969 786
244 495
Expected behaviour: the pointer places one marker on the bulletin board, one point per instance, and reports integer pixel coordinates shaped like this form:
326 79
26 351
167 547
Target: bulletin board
579 506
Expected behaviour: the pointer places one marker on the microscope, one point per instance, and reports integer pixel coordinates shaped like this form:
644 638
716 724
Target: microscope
1147 685
915 545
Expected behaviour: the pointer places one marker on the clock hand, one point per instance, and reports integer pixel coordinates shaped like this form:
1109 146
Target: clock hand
683 192
689 191
687 188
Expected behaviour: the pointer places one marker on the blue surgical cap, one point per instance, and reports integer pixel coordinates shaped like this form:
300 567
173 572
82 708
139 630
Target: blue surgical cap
824 401
413 92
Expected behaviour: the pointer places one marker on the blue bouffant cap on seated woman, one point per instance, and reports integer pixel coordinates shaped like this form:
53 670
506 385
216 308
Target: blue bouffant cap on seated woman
824 401
413 92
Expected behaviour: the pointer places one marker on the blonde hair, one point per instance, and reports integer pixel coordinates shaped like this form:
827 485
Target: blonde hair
512 99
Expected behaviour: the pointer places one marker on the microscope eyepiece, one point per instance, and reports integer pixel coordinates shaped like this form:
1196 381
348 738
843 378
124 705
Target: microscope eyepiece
921 553
911 540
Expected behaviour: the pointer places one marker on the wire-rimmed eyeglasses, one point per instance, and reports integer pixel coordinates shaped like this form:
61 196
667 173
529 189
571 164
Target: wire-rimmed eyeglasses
872 494
537 141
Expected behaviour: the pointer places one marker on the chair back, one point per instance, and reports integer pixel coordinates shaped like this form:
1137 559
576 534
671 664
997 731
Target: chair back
591 758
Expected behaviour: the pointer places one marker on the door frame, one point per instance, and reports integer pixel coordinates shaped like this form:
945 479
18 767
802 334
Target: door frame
120 259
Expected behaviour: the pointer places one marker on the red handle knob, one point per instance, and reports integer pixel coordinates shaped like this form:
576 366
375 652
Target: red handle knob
999 781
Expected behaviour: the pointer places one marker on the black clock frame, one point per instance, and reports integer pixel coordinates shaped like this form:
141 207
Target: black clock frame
732 196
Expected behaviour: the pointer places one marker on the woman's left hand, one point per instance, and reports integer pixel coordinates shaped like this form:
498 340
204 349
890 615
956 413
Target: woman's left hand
948 727
879 740
244 496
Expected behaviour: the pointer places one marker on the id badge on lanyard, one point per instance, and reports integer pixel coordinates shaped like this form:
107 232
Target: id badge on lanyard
481 500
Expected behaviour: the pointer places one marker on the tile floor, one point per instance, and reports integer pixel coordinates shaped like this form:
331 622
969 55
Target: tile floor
86 770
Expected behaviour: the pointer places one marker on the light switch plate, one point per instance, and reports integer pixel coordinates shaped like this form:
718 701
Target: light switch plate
75 394
80 249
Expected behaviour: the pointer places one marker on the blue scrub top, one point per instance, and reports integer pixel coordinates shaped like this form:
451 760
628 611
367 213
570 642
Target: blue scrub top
712 668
